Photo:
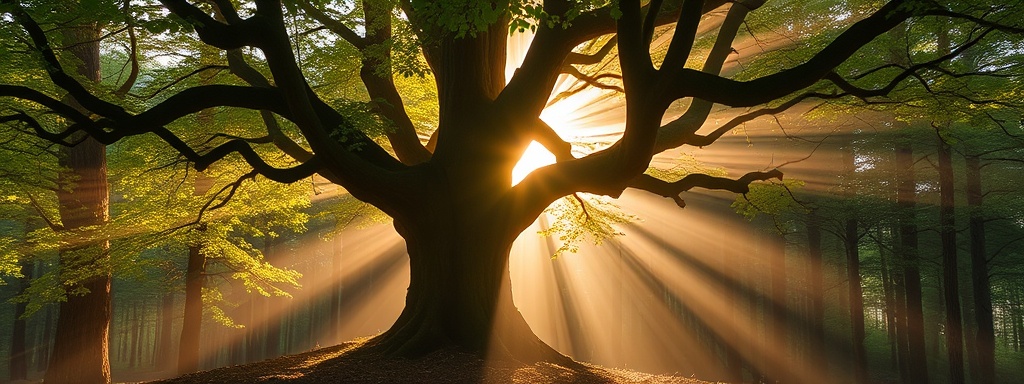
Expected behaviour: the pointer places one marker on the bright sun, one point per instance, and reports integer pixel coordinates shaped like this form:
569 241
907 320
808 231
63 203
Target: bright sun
534 157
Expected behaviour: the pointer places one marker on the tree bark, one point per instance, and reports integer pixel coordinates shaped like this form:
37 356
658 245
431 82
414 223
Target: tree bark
982 289
950 274
856 295
188 347
80 349
906 196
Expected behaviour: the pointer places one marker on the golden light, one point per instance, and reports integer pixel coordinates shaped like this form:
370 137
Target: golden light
534 157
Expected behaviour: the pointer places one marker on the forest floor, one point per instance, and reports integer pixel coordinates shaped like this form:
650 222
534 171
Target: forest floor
338 364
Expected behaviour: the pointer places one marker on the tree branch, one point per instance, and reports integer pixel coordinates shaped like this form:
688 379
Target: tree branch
673 189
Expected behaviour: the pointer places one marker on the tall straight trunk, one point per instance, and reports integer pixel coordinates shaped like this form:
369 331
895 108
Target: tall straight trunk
777 309
981 287
80 349
816 292
335 317
192 321
860 359
43 352
133 333
733 284
851 239
950 270
164 355
272 326
888 286
906 196
18 363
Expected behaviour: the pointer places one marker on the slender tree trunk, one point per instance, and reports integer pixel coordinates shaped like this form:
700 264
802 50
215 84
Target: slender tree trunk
164 355
43 354
191 327
272 326
133 333
335 317
18 364
950 273
860 360
80 349
917 361
891 307
816 292
981 287
777 310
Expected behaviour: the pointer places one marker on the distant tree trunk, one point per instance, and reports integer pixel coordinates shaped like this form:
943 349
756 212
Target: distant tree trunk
816 292
950 270
80 349
851 245
890 303
982 289
777 309
43 354
906 196
856 295
133 333
18 364
732 283
338 247
272 326
191 327
164 356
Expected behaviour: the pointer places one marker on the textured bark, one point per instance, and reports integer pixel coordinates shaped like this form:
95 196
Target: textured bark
916 360
981 287
950 275
192 320
80 349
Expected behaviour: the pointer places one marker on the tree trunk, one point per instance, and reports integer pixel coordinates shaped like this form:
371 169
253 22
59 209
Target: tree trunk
951 286
860 360
986 343
778 309
891 307
906 196
188 347
816 292
133 333
43 354
272 325
460 293
164 356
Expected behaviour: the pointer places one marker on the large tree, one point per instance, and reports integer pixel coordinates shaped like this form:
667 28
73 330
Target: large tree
450 191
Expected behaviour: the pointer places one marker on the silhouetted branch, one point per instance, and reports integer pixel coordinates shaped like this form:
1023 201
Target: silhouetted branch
696 180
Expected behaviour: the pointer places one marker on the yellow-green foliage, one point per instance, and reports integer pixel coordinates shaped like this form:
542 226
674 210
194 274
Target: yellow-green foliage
768 198
582 217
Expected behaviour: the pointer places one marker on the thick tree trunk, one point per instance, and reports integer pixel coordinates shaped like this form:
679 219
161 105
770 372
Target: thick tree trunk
188 347
778 309
982 289
80 349
906 196
460 293
950 270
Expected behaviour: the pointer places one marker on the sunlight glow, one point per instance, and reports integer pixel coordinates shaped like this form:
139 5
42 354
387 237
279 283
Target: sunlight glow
534 157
